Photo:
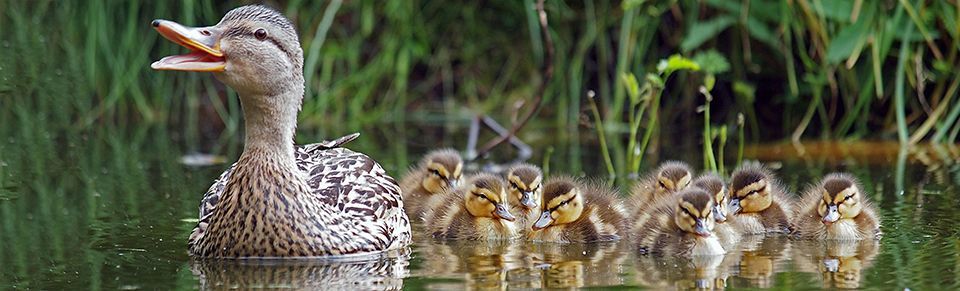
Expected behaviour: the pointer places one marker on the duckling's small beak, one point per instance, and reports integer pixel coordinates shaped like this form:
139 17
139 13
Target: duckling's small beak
526 198
700 228
544 221
454 183
204 43
735 206
832 215
718 214
831 264
501 212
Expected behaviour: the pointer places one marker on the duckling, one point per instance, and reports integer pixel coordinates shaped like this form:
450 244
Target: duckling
680 224
758 204
525 193
576 211
477 210
670 177
438 171
713 185
837 209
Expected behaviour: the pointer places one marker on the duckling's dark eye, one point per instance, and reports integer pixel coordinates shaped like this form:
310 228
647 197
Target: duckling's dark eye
662 185
514 185
260 33
436 173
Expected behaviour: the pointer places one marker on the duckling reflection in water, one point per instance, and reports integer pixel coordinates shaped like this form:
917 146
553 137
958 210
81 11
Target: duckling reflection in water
699 272
582 264
758 203
438 172
477 210
525 192
840 263
837 209
757 258
479 264
681 225
576 211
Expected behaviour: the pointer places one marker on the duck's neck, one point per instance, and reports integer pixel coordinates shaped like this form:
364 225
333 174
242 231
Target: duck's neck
270 123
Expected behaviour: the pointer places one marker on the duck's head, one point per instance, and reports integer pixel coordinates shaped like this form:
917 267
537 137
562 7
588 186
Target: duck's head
694 212
751 189
485 197
563 203
841 198
673 176
442 170
254 50
713 185
525 180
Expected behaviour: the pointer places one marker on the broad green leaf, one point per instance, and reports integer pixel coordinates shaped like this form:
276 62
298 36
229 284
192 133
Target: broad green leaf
837 10
703 31
676 63
763 33
712 62
843 44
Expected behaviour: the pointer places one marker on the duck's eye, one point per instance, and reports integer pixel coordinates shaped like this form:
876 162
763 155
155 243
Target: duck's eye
514 185
260 33
436 173
662 185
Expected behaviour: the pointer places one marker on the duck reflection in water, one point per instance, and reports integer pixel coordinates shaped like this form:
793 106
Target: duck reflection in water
478 264
840 263
758 259
582 264
381 274
696 272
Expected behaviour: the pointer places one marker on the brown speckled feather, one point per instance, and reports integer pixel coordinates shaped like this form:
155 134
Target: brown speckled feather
345 204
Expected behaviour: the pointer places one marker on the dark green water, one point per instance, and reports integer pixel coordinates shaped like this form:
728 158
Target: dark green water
89 209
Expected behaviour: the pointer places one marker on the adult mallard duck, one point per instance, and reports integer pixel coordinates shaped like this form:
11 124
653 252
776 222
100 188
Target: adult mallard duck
281 200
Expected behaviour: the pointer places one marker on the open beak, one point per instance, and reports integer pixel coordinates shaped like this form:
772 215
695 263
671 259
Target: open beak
544 221
501 212
701 228
832 215
526 198
203 42
718 214
735 206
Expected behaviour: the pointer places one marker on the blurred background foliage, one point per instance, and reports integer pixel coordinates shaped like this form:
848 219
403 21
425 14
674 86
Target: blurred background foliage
774 70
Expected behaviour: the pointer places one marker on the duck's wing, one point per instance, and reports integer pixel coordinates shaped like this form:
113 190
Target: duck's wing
369 199
209 201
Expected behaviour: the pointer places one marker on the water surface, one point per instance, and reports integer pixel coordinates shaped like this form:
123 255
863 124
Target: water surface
106 211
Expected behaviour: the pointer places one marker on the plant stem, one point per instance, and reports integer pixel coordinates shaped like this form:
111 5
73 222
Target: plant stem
601 134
